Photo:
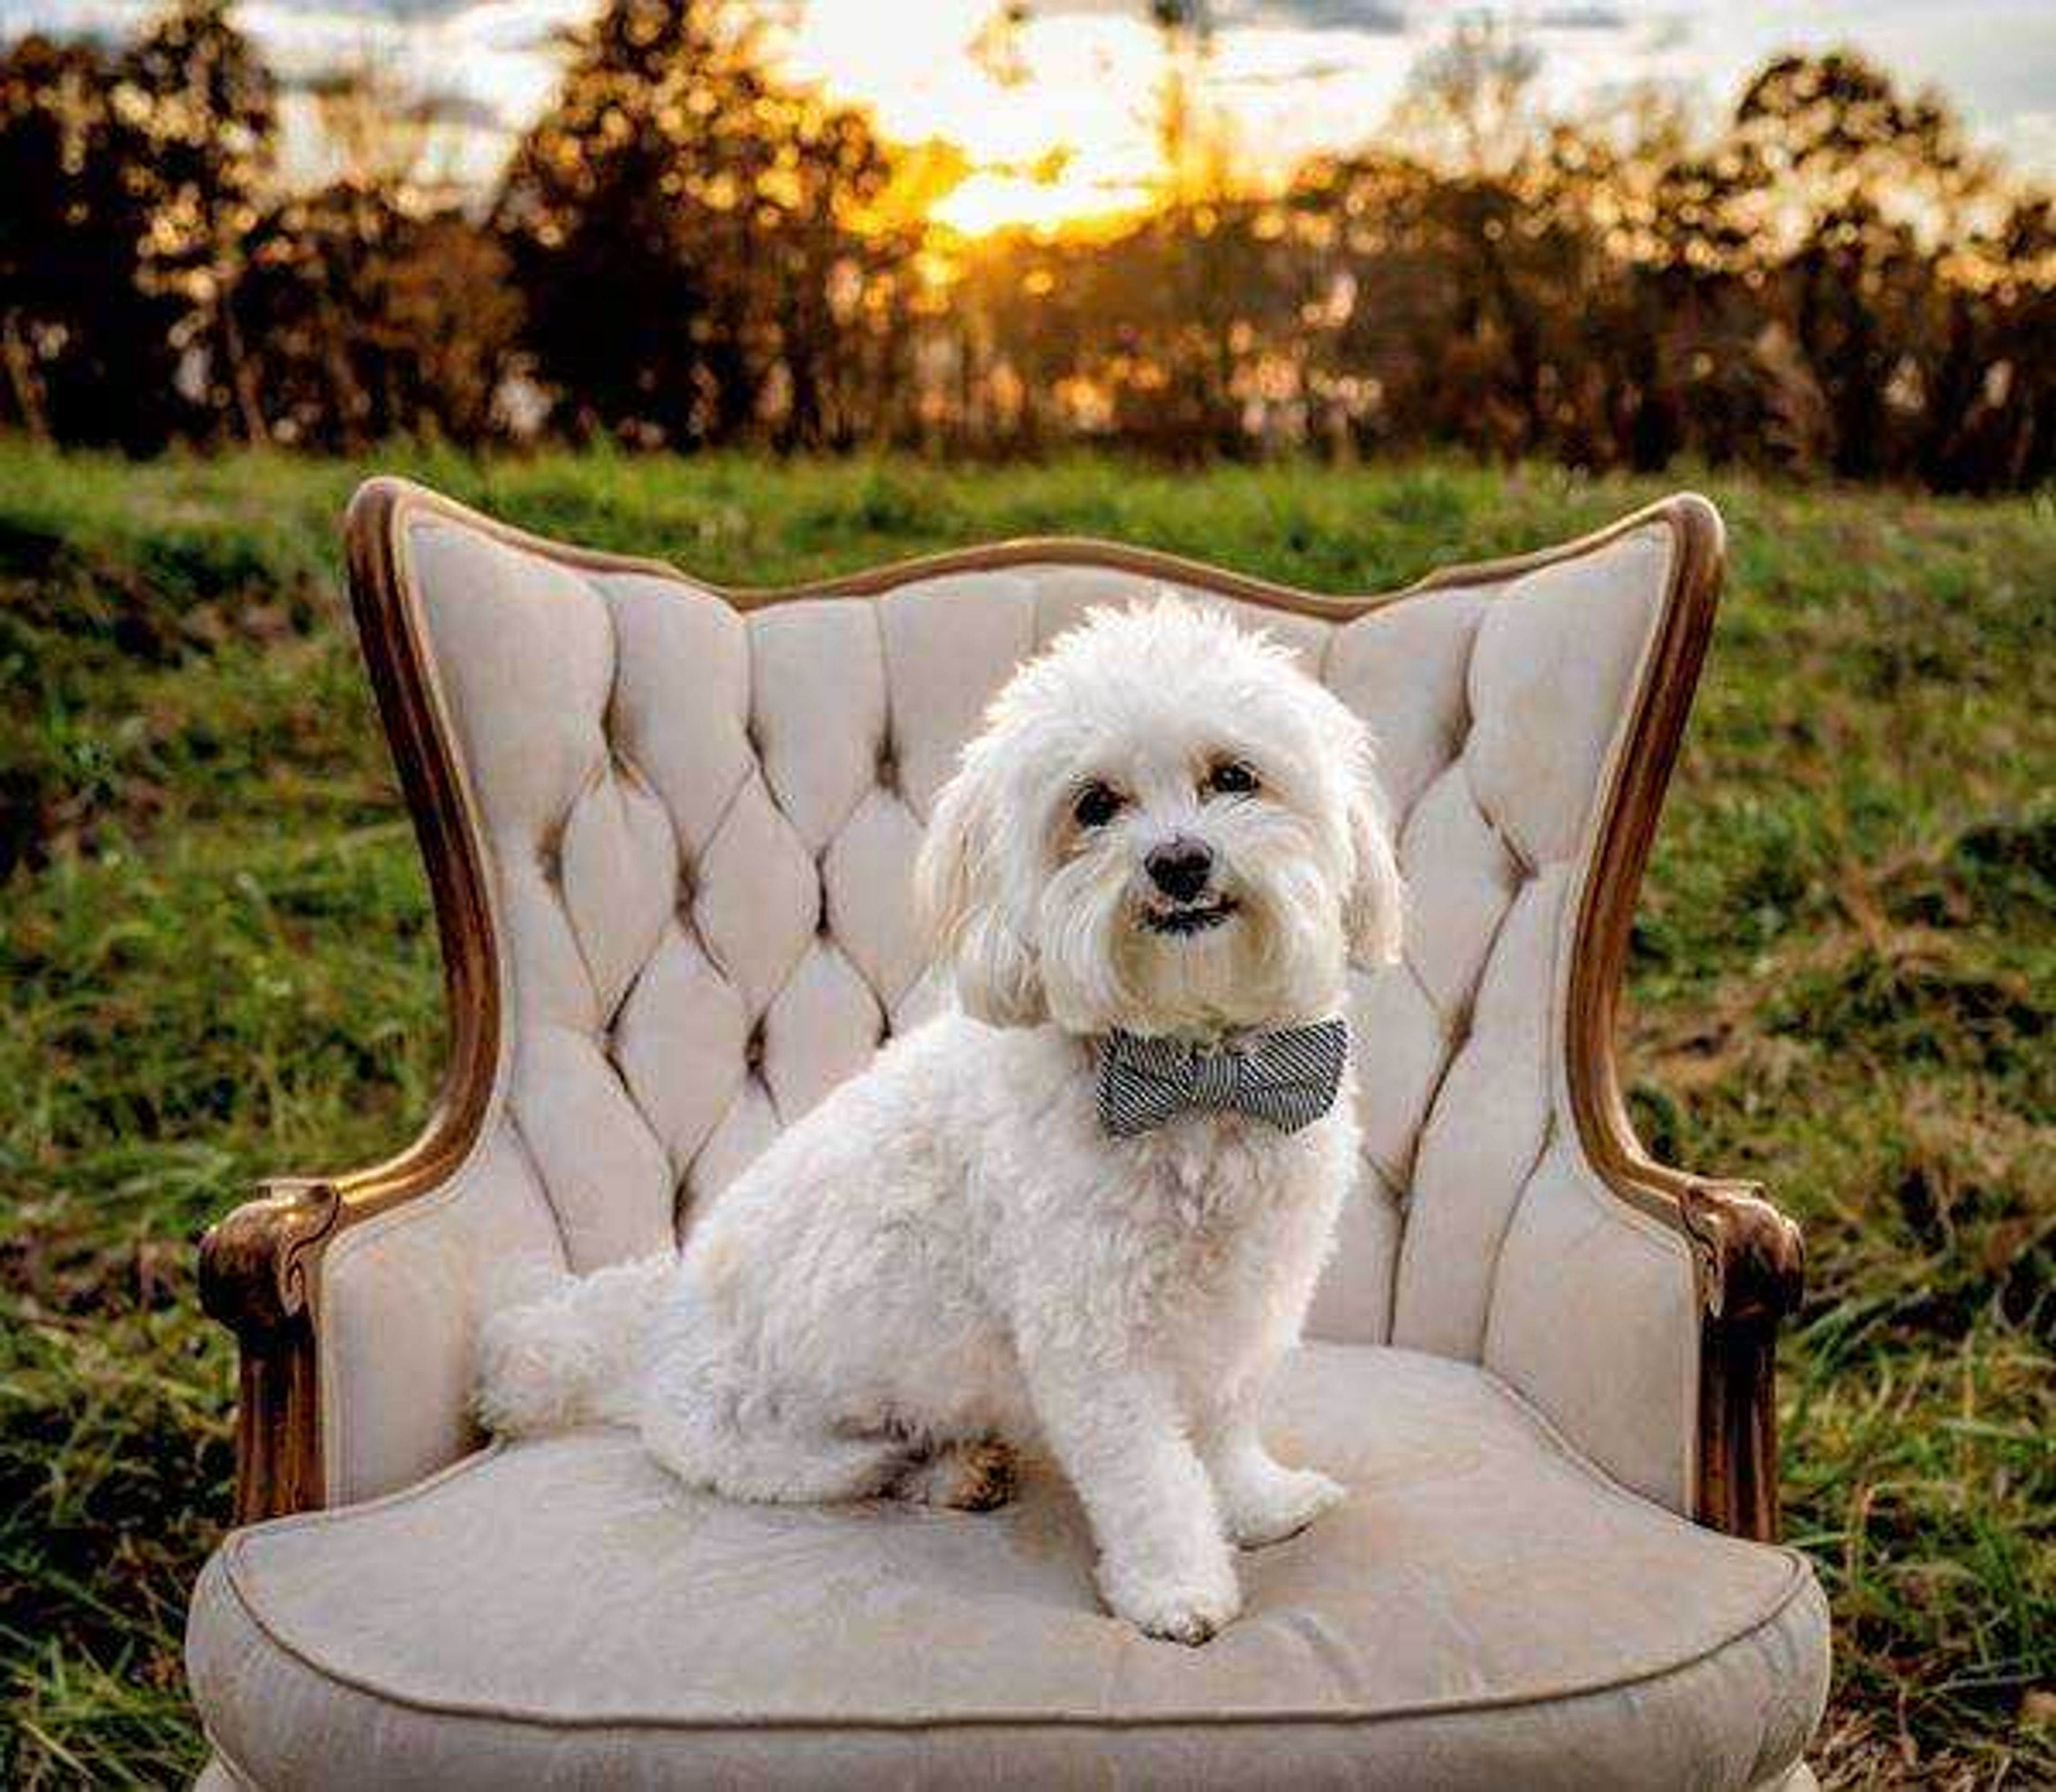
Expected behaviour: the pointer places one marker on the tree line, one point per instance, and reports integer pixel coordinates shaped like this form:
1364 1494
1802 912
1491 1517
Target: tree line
686 250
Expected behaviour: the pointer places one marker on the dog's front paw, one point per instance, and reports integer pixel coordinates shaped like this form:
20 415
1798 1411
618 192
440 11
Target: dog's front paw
1281 1505
1186 1609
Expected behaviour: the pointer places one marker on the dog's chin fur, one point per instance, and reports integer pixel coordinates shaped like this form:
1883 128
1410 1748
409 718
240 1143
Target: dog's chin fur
950 1248
1274 956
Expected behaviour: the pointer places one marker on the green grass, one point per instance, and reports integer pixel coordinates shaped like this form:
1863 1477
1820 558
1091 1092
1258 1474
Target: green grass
219 962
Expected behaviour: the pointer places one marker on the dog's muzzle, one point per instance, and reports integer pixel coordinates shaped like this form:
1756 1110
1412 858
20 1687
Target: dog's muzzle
1289 1078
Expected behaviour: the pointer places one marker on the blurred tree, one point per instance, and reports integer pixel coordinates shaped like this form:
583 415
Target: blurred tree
1467 107
1996 384
1194 143
374 124
686 250
375 321
1466 113
1822 189
129 183
86 346
380 308
208 106
697 243
1856 242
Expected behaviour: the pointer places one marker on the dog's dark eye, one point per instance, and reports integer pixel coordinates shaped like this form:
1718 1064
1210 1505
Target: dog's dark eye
1095 806
1230 778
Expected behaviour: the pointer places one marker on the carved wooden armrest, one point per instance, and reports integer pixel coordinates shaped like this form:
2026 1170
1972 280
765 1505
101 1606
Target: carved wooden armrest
260 1275
1751 1263
258 1269
1748 1264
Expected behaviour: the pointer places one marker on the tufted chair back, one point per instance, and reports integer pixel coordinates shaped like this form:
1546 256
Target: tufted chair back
692 816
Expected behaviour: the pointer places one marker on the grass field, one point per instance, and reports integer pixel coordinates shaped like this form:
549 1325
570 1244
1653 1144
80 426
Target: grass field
218 962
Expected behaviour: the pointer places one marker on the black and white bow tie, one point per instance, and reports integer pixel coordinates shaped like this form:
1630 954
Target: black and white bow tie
1288 1078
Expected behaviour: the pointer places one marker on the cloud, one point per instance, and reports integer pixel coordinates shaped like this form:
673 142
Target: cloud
1326 68
399 12
435 106
2028 140
1372 18
444 107
1375 18
1580 18
110 21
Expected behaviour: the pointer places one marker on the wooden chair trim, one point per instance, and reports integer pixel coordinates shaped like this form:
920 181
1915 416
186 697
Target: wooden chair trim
1749 1257
260 1267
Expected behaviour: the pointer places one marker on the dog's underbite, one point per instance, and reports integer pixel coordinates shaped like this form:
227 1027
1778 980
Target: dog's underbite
1081 1214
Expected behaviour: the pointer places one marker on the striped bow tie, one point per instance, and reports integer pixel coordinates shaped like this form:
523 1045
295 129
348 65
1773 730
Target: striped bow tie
1288 1078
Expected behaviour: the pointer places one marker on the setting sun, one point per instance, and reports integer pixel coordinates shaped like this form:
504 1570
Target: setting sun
988 201
1053 120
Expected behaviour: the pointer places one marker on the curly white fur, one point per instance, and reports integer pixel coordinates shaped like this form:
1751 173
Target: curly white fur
950 1246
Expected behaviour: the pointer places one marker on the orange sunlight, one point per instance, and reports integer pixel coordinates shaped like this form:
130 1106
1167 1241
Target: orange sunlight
1049 124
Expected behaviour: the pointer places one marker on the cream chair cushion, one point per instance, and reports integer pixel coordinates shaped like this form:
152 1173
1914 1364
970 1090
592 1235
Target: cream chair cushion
1485 1610
700 822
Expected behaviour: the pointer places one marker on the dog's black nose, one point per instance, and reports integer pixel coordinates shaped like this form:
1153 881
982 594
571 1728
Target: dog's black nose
1180 868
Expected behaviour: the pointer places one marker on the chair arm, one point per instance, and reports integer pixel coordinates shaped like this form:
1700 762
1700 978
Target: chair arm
261 1274
1638 1309
1747 1259
258 1267
1751 1263
355 1301
1753 1260
261 1267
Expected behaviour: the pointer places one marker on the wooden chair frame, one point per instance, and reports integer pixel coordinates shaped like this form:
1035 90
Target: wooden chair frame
261 1267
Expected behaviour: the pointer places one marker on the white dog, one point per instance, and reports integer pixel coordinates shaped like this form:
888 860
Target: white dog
1088 1210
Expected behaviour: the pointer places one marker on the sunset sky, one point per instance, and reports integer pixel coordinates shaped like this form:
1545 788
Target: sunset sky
1056 118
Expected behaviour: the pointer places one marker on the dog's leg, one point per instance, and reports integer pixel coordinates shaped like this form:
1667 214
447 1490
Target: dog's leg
1164 1564
769 1464
1261 1500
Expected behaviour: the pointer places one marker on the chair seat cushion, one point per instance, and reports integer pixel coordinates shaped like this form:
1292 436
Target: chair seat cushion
1485 1609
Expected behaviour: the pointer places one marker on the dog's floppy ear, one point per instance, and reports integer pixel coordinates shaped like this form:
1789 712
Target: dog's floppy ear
1374 910
957 891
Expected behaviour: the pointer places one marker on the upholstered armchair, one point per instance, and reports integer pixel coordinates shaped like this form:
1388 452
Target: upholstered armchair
670 830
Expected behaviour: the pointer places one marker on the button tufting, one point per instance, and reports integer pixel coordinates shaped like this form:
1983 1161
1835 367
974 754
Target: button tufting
889 770
752 1047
